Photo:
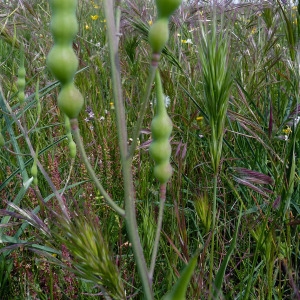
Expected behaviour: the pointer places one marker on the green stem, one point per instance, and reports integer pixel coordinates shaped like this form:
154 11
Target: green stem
126 161
80 146
158 229
214 212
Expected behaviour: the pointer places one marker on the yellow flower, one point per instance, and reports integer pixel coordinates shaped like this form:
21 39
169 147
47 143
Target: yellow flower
199 118
87 27
112 106
96 6
150 22
287 130
95 17
188 41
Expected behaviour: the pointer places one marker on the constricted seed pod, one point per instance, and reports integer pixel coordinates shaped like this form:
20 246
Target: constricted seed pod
34 170
161 128
22 72
163 172
160 150
159 35
63 5
2 140
165 8
70 100
64 27
63 63
161 125
72 147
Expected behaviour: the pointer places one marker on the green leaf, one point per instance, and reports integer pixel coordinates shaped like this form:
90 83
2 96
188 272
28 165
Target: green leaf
178 292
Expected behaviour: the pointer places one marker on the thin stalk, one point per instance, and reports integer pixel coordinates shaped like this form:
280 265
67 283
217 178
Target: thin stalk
129 192
214 212
158 229
90 170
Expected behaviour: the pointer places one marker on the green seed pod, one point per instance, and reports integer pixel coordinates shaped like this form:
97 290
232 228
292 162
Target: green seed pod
2 140
63 63
72 147
163 172
21 97
161 126
64 27
63 5
22 73
70 101
21 83
35 181
160 150
34 170
159 35
165 8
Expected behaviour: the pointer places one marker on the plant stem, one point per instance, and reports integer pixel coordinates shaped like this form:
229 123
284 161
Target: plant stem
214 212
126 161
77 137
158 229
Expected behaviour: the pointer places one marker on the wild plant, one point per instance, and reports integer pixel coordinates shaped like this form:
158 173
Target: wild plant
121 190
82 236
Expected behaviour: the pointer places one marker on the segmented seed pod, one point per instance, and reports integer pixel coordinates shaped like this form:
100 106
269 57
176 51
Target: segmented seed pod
34 173
160 150
34 170
70 100
21 80
159 35
63 63
165 8
63 5
68 22
163 172
2 140
62 60
161 128
72 147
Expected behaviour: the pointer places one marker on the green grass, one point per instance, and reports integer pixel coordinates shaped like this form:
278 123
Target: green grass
258 172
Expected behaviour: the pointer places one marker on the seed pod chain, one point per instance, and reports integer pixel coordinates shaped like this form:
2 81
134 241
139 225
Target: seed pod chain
161 128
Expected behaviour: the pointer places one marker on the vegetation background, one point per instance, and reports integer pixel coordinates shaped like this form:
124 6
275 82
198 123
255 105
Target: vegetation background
259 170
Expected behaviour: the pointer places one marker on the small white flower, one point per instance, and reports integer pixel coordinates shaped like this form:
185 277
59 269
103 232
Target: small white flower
91 115
98 45
167 101
101 118
296 120
189 41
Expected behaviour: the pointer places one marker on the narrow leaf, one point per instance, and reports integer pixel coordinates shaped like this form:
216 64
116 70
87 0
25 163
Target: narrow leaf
178 291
